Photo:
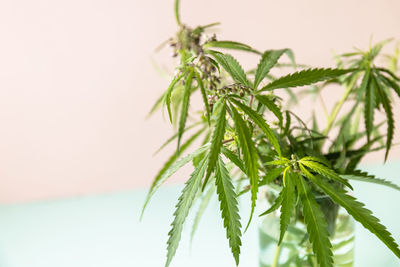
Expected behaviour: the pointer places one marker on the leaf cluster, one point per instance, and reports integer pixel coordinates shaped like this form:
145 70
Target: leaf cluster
249 140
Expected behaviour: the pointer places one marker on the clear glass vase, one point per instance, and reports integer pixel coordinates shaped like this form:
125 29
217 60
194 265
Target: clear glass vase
295 250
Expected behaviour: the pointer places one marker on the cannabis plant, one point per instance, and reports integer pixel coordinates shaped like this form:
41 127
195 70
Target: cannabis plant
251 140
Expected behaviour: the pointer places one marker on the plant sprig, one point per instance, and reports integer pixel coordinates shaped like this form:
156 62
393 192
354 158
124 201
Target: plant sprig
245 126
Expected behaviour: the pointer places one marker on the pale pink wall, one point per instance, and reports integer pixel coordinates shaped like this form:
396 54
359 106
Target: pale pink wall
76 79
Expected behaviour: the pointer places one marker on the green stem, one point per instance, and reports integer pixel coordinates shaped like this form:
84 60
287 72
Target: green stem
177 17
338 107
275 262
323 105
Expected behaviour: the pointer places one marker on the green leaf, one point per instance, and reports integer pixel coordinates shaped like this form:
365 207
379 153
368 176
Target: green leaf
318 159
390 119
204 95
169 92
171 167
233 158
232 66
344 136
316 224
359 213
282 162
259 120
203 205
369 107
229 208
185 107
390 83
305 77
250 156
216 139
267 179
268 60
289 53
172 138
355 156
277 203
288 202
325 171
231 45
394 77
374 51
287 124
271 106
358 175
271 175
156 105
182 209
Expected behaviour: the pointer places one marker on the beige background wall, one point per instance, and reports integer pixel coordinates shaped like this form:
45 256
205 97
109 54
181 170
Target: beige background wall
76 79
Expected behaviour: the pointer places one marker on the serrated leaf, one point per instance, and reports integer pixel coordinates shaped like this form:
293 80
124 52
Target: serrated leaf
232 66
374 51
231 45
206 139
305 77
359 213
172 138
318 159
271 106
268 60
156 105
185 202
394 77
204 95
267 179
185 107
390 83
233 158
216 139
214 63
250 156
369 108
344 135
229 208
171 167
169 92
271 175
355 156
325 171
358 175
287 124
277 203
288 202
259 120
389 116
316 224
292 59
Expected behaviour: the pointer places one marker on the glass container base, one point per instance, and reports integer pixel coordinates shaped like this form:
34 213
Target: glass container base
295 250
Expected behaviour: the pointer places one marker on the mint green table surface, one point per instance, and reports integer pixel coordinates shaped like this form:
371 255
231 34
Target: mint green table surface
104 230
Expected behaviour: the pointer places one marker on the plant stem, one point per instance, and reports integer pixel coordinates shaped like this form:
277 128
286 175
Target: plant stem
338 106
228 140
177 17
275 262
251 100
323 105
